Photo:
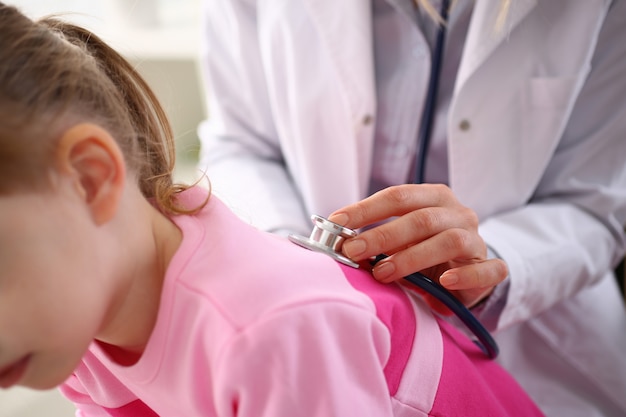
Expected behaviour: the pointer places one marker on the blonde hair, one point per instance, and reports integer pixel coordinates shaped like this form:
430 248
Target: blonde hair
54 74
505 5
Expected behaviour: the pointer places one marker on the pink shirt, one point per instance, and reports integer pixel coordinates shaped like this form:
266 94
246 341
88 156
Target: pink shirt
252 325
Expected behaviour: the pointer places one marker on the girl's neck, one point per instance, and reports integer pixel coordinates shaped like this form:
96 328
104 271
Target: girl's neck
135 310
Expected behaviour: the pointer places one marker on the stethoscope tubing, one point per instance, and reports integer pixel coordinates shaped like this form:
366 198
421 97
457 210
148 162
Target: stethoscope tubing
484 338
428 115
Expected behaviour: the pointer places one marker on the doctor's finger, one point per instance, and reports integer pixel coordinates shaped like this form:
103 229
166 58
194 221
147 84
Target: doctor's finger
483 274
408 230
452 246
393 201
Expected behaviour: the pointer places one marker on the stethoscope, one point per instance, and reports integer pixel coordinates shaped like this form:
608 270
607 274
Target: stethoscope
328 237
428 115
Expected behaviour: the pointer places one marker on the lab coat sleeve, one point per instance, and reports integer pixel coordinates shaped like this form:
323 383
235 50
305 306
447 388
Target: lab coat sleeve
240 149
571 234
323 359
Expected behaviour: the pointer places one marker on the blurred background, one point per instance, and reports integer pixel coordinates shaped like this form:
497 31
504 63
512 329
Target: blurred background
160 37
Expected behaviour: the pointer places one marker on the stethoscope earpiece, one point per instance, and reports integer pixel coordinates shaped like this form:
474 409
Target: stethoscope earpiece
326 237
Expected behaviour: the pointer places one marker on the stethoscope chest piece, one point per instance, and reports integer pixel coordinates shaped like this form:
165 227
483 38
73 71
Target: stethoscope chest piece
326 237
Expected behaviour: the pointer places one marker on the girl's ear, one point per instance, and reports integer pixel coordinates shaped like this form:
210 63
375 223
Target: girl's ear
90 155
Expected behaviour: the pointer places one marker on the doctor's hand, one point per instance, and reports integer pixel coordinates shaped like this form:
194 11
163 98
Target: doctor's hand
428 231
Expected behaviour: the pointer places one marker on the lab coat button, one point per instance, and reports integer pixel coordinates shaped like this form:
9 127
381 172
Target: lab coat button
464 125
367 120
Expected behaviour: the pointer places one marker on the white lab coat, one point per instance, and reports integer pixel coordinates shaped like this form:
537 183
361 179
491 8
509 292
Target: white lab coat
536 145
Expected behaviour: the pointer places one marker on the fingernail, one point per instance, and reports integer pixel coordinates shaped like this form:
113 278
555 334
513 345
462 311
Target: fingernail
354 248
448 279
339 218
383 270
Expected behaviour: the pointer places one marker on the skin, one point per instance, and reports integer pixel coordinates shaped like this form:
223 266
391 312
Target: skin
430 232
71 271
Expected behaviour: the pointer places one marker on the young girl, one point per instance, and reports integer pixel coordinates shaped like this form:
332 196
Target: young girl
144 298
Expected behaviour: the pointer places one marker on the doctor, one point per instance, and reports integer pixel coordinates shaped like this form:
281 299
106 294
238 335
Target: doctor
317 104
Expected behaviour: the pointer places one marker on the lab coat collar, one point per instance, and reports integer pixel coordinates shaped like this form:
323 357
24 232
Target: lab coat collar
352 50
484 35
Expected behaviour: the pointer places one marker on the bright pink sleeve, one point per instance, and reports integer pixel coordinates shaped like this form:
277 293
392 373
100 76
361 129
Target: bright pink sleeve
74 391
322 359
115 400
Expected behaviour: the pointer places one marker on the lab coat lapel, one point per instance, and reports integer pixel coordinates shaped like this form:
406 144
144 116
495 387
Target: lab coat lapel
351 49
484 36
471 185
346 29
